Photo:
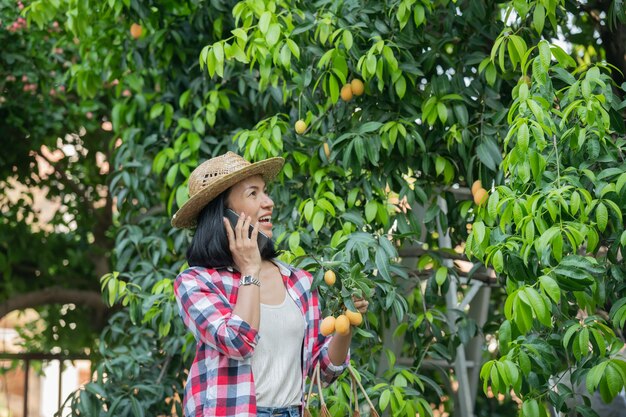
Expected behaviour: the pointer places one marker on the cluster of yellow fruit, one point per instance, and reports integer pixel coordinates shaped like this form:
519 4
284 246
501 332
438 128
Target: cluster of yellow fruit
340 324
480 194
354 88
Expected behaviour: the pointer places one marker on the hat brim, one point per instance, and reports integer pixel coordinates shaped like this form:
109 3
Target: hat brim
187 215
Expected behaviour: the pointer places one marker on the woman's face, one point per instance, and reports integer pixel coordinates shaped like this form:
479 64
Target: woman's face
249 196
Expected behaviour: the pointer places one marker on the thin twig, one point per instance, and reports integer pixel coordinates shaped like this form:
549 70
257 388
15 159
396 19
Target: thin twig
558 170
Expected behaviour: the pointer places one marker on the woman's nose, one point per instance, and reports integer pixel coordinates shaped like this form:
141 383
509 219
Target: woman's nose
267 201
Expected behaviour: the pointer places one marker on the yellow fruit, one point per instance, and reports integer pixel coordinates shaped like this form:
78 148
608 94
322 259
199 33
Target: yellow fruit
481 196
477 184
346 92
136 30
342 325
330 278
328 326
300 127
355 317
357 87
327 150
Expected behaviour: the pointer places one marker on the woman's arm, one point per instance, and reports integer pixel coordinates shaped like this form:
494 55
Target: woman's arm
208 315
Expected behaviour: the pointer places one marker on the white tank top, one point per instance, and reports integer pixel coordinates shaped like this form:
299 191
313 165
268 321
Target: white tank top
276 362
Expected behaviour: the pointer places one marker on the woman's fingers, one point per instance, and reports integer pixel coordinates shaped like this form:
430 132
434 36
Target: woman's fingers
361 304
255 231
241 227
230 233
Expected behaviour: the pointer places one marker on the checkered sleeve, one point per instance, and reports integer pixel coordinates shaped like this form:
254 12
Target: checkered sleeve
209 316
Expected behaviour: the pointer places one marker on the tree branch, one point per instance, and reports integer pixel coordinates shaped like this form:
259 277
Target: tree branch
54 295
417 252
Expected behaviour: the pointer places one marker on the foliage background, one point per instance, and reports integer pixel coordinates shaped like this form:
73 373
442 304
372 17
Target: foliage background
454 92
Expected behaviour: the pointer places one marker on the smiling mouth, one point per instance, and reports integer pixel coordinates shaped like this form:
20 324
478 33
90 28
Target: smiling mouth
265 220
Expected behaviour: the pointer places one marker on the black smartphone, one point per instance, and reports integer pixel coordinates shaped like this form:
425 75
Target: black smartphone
261 239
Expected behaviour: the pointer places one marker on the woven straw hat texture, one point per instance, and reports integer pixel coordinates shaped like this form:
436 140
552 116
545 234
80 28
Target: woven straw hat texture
215 176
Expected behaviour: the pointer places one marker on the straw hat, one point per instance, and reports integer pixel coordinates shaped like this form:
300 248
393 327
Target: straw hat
216 175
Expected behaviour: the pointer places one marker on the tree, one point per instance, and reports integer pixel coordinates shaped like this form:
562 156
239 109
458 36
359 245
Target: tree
54 149
454 92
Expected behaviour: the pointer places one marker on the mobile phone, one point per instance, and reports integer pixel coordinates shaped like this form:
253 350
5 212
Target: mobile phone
261 239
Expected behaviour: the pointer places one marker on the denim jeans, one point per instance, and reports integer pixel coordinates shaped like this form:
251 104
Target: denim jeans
293 411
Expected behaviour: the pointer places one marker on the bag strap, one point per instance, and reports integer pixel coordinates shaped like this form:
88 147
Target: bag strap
354 374
355 394
313 379
323 409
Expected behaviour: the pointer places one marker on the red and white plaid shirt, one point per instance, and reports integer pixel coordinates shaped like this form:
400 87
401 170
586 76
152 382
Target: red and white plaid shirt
220 381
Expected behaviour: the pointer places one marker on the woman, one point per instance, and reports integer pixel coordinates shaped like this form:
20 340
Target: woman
255 319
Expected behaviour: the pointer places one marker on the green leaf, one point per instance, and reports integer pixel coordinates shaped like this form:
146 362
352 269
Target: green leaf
583 343
184 99
574 202
308 210
594 375
138 410
326 205
602 216
369 127
294 241
539 17
533 298
498 261
492 204
621 181
441 276
613 380
545 55
485 372
293 47
479 231
400 86
442 111
333 86
550 287
384 399
504 336
523 138
370 210
347 39
490 74
156 110
264 22
273 34
530 408
382 264
318 221
523 317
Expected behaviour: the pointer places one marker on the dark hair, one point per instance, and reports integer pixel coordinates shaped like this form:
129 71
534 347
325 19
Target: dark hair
209 245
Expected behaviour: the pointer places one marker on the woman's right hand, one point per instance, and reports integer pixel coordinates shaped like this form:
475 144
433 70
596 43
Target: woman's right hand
244 249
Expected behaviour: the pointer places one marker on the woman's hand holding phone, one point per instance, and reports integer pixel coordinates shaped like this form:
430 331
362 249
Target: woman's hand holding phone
244 247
